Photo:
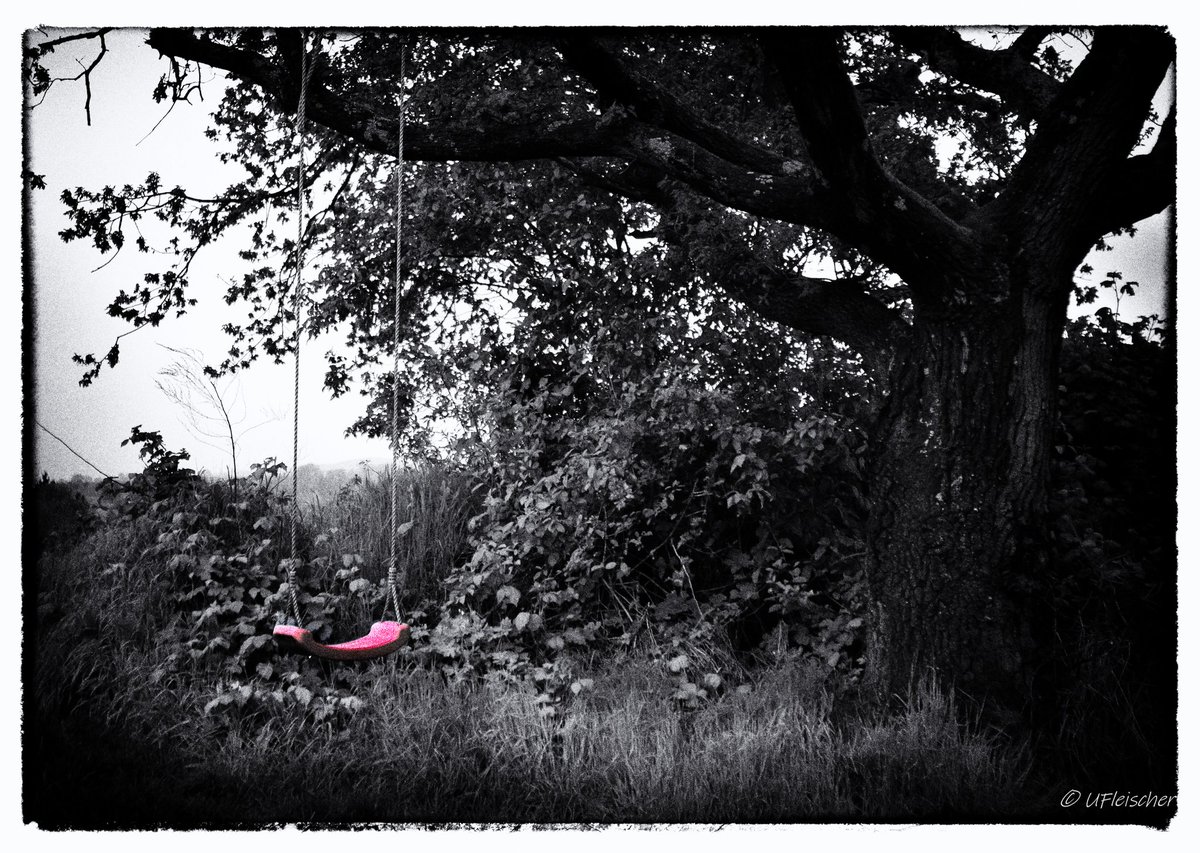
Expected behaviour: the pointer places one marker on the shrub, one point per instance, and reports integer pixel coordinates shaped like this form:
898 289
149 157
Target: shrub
181 588
658 505
57 516
1107 604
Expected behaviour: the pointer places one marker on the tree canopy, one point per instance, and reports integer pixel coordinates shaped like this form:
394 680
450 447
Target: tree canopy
896 157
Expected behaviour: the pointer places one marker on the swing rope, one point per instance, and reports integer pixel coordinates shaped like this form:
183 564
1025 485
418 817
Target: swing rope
393 525
297 311
384 637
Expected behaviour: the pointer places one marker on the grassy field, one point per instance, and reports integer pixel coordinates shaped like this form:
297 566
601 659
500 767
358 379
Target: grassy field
123 732
420 750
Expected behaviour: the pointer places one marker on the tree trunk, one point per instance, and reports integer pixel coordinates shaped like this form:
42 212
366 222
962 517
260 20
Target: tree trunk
959 482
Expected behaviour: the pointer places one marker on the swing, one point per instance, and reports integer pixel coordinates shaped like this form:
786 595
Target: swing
383 639
385 636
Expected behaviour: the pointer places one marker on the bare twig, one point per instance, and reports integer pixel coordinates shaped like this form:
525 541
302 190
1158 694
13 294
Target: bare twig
157 123
47 46
75 453
86 73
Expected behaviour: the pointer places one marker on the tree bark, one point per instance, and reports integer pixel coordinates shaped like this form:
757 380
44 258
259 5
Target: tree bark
959 482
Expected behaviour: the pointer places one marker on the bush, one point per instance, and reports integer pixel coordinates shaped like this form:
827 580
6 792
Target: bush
56 515
180 589
658 506
1108 603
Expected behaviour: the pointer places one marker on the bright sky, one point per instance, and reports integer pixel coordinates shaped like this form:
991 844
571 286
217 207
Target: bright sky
70 294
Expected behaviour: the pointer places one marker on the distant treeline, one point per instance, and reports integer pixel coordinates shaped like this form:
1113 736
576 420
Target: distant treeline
318 485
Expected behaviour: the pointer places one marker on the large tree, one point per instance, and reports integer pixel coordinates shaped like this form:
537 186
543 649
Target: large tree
957 186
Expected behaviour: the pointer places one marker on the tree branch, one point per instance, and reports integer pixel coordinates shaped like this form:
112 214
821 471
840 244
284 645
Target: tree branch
47 46
1143 186
790 197
634 181
1026 44
787 195
1079 155
838 308
40 79
826 107
1025 90
492 142
654 105
890 221
841 309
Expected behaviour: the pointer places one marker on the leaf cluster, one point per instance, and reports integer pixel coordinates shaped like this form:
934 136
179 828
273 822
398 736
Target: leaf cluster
643 484
221 555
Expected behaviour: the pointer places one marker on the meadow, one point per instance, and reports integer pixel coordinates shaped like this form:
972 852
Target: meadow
150 704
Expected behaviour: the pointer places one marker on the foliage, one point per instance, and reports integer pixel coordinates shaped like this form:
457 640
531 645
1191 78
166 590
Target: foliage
480 238
667 477
1116 512
435 504
162 475
688 485
148 700
215 554
57 515
1108 602
630 489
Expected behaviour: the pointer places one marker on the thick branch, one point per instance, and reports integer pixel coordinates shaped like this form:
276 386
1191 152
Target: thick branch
1026 44
1025 90
841 309
1143 186
890 221
634 182
827 110
1080 153
588 137
787 195
654 105
791 197
47 46
816 306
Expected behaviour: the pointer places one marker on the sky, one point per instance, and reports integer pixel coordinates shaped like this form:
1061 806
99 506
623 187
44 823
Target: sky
130 137
123 145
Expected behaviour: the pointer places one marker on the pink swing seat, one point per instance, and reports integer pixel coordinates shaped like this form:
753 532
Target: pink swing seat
383 639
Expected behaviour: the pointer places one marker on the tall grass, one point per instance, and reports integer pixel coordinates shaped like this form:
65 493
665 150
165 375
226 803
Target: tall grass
116 735
421 750
118 743
438 502
424 751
